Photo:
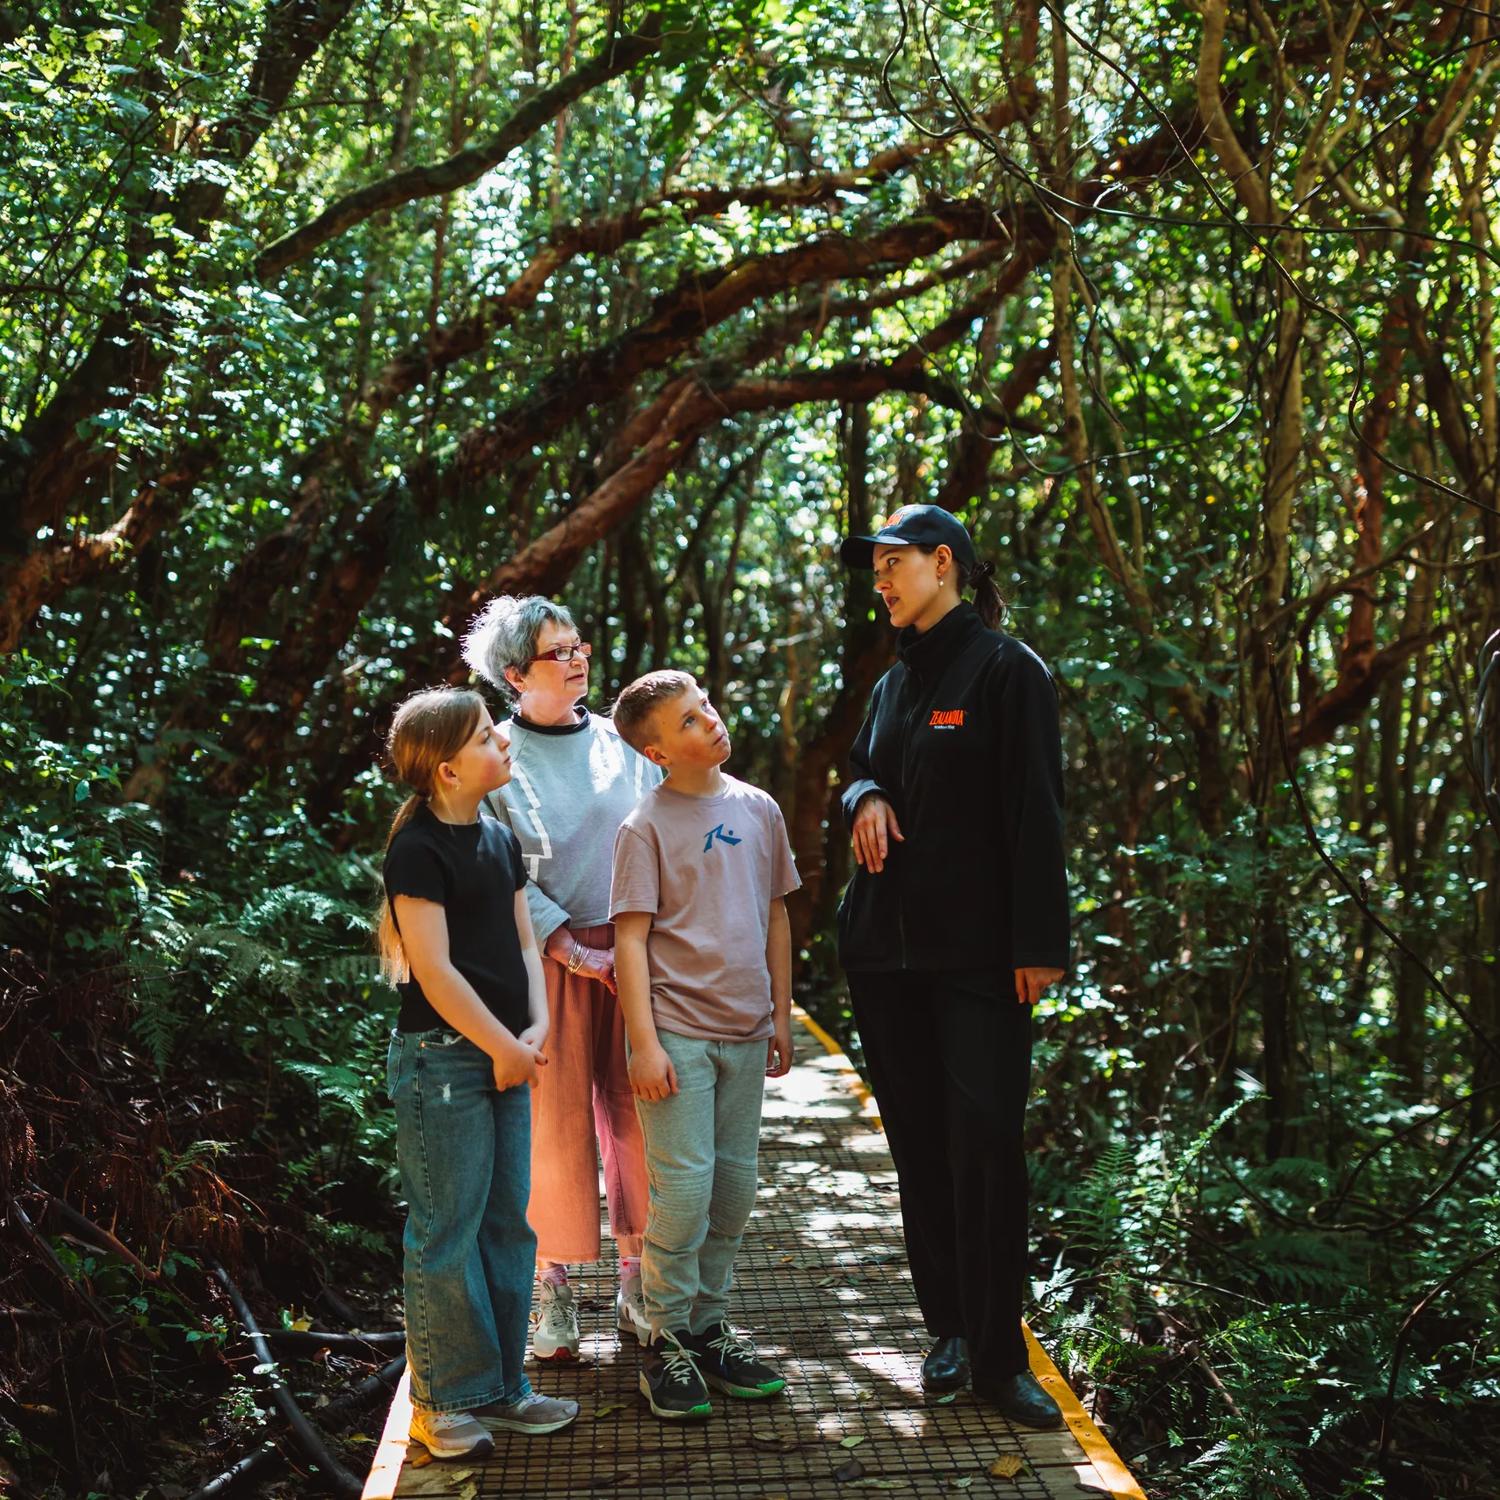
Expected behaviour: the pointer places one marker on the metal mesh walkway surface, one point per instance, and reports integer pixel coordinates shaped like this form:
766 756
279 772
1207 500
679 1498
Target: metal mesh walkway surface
823 1288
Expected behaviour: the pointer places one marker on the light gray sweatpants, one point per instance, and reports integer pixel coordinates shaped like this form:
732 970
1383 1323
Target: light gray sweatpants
701 1147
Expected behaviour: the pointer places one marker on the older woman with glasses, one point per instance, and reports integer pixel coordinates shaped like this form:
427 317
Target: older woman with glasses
573 780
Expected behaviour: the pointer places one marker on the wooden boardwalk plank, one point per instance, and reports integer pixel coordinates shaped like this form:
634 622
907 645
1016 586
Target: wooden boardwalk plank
823 1286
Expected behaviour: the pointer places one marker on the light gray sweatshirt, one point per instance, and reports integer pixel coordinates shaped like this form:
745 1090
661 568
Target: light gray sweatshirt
570 787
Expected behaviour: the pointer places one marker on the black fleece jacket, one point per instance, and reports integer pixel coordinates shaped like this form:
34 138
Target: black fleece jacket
962 738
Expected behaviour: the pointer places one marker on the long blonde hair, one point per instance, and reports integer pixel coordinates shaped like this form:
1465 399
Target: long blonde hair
429 728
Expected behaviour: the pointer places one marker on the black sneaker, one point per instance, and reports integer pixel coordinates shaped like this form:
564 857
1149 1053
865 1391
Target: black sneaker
728 1362
671 1381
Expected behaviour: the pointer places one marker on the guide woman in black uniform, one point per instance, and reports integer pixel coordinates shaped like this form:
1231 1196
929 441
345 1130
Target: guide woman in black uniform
955 923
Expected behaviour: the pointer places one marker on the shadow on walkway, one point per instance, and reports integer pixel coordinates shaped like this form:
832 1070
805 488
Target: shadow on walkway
823 1288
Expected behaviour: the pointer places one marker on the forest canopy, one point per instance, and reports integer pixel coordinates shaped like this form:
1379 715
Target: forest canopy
325 322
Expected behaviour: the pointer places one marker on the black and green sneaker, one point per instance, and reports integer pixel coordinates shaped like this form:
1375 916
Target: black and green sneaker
727 1360
671 1381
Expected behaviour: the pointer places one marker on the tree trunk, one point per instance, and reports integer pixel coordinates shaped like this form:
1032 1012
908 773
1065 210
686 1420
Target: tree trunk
865 651
1274 982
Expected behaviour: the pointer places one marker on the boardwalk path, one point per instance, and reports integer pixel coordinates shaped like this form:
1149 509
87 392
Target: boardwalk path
823 1286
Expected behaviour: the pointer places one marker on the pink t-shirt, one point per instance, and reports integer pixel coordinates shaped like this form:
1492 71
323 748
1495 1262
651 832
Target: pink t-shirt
707 869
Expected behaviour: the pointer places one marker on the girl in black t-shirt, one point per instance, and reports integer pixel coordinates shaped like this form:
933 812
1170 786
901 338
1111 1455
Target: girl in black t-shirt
456 939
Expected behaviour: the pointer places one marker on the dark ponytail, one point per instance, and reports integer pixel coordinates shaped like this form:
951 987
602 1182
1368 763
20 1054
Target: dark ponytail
988 602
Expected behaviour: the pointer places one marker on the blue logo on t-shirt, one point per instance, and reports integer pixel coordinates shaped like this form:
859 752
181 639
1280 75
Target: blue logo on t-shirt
723 838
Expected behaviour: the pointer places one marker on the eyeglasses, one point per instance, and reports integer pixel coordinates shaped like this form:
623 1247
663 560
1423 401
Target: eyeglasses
564 653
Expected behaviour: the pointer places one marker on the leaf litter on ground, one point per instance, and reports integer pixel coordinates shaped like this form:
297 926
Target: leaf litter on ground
771 1440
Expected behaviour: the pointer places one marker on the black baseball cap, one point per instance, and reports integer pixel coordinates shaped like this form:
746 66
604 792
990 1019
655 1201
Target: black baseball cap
912 526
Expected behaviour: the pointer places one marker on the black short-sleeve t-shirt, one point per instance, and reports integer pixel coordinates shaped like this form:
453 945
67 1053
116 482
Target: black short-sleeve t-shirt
473 871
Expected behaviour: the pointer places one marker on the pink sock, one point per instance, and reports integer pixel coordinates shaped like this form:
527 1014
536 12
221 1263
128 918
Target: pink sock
630 1265
552 1273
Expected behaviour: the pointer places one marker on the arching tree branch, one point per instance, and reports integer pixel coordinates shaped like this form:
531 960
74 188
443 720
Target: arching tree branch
619 54
57 452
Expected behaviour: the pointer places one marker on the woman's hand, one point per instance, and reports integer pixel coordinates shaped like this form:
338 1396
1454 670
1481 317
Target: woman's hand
1030 983
652 1075
516 1064
597 963
535 1036
874 827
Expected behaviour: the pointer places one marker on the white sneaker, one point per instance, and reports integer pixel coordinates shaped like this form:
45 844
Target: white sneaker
451 1434
630 1310
556 1333
534 1414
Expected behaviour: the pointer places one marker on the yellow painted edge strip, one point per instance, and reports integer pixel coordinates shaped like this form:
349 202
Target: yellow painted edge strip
848 1070
1095 1445
385 1472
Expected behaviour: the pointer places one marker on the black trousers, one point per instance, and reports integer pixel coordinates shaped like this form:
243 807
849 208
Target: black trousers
949 1057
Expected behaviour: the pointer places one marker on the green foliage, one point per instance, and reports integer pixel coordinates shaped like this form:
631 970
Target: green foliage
1256 1152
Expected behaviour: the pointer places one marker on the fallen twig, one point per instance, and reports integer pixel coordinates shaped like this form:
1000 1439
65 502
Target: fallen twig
260 1461
339 1307
333 1474
311 1339
49 1255
97 1233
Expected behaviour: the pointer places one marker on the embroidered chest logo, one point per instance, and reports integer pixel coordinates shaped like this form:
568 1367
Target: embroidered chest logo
946 718
723 837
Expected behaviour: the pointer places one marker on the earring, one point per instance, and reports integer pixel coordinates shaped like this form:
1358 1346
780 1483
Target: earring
942 583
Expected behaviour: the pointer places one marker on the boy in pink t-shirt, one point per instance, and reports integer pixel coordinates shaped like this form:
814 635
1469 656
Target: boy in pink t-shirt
703 960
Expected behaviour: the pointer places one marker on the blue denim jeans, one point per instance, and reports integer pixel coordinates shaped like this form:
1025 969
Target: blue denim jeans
702 1145
465 1155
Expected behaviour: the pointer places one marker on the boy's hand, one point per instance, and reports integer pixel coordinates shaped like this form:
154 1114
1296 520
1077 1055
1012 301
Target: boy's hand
1030 983
875 828
652 1075
779 1051
516 1065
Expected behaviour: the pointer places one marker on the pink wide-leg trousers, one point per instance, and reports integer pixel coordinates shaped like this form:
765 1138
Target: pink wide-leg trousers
582 1112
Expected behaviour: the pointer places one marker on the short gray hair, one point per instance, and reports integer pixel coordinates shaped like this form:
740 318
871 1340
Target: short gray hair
504 634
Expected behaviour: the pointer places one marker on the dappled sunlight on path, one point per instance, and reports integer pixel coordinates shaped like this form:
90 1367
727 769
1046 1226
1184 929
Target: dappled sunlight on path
823 1288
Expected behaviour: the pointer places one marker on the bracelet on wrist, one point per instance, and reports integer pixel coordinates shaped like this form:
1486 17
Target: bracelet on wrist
577 957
